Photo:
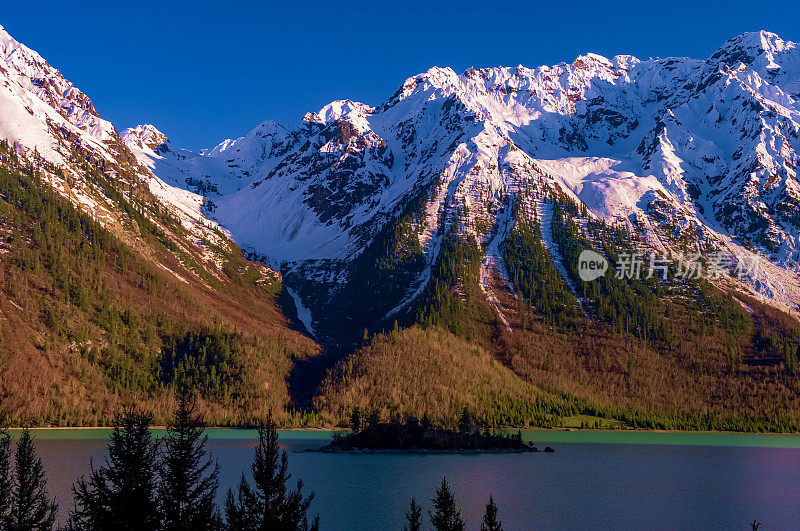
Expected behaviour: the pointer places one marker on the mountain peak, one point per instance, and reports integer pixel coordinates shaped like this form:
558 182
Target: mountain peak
145 136
337 110
753 49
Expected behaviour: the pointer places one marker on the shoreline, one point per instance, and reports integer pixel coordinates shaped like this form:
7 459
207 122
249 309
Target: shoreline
522 429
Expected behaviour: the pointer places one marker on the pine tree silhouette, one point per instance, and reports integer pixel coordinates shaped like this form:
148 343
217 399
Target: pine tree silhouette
446 516
267 505
5 474
121 496
188 478
490 521
414 516
31 507
355 419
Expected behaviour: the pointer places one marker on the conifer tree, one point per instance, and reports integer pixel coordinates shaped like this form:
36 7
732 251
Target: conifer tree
268 505
355 419
446 516
374 419
490 521
121 496
5 473
188 478
31 507
414 516
465 422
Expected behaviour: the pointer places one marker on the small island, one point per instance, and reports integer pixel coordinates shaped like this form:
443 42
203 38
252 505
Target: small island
414 435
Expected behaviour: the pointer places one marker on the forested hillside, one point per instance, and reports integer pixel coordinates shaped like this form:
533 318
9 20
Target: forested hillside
91 318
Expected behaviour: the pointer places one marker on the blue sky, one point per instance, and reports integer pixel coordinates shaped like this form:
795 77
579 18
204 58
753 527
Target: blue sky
202 73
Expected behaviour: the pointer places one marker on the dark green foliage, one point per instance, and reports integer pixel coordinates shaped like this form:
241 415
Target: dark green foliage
413 435
629 305
721 310
465 423
414 516
543 411
268 505
381 275
207 361
121 496
86 286
490 521
637 305
534 276
355 419
188 478
782 345
452 298
31 507
445 515
5 473
56 241
790 360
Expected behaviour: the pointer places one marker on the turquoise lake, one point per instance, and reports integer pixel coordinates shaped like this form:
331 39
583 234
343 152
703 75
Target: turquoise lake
619 480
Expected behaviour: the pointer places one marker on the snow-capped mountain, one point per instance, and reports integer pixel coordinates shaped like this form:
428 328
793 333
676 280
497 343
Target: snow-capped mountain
681 150
42 111
688 153
47 118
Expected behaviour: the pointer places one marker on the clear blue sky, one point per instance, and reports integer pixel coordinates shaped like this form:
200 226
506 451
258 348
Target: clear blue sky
201 72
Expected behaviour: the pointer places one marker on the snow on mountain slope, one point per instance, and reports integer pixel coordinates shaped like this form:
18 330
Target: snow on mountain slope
60 116
671 147
44 116
221 170
684 151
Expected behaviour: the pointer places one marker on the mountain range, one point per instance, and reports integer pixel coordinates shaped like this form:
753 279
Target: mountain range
677 149
457 207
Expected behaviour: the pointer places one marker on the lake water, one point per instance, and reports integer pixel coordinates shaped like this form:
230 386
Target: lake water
593 480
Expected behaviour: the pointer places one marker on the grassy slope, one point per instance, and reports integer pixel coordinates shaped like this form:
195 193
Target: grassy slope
419 371
539 375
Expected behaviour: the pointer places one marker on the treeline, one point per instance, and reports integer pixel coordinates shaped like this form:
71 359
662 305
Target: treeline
429 371
636 304
209 362
148 484
629 305
380 275
415 434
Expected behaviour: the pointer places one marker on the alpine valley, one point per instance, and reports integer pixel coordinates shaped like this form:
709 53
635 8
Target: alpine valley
415 257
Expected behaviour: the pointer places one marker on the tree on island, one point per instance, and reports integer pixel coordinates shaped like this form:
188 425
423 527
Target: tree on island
374 419
189 481
355 419
121 496
446 516
414 516
490 521
31 508
268 504
465 424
